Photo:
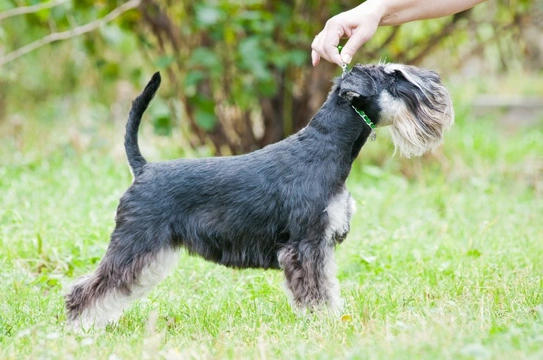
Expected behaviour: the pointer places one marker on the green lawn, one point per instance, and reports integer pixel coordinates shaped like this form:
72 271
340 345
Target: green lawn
444 259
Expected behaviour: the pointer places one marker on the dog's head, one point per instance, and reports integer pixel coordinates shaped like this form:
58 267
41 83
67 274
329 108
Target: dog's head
412 101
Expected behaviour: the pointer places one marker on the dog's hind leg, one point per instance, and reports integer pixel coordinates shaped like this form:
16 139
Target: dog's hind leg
310 274
132 267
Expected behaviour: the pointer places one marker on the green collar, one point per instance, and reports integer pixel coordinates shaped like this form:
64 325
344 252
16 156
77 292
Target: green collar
367 120
362 114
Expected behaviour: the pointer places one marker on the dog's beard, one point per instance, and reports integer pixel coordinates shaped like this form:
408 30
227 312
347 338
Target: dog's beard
414 134
417 131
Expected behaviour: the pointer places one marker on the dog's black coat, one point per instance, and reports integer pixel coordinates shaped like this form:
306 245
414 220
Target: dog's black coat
284 206
240 210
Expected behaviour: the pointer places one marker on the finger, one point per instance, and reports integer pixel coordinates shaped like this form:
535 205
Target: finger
329 49
358 38
315 55
315 58
335 57
325 44
321 50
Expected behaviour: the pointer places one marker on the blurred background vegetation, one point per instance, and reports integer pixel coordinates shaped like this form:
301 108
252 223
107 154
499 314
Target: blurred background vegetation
449 243
238 73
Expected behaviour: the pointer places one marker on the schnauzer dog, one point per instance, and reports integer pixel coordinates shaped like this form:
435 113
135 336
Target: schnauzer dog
282 207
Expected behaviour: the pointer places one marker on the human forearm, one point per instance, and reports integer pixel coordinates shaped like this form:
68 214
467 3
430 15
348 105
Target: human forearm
397 12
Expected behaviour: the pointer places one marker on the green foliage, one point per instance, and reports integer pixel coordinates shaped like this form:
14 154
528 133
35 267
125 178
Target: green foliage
205 112
161 117
249 57
246 42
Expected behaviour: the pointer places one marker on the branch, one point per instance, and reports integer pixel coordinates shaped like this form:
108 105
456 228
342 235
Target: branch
30 9
436 39
57 36
387 41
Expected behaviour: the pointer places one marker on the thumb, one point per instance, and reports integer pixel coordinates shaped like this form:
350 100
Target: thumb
358 39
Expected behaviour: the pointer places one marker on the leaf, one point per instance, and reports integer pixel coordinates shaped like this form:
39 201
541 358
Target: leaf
444 266
161 117
368 259
267 87
473 253
193 78
253 57
164 61
112 34
44 14
207 15
204 115
191 81
39 243
299 57
110 70
374 171
207 59
205 119
162 125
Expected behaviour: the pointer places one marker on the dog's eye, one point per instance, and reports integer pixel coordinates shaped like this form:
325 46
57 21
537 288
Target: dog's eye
341 101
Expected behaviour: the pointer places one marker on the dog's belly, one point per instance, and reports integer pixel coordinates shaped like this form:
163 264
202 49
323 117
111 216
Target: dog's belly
252 240
238 253
256 244
225 237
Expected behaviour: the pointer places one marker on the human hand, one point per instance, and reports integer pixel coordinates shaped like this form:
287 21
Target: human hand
358 25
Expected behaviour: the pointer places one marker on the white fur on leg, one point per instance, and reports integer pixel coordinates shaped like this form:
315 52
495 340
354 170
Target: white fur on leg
340 209
110 306
335 303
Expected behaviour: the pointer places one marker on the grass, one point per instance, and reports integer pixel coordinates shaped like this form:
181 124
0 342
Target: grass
444 259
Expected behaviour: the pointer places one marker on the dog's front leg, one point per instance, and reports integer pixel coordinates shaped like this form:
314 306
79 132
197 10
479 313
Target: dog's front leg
310 274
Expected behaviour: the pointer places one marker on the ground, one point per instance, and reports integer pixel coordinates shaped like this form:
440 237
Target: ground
444 259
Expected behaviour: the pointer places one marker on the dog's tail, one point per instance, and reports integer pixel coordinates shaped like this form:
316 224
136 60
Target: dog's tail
135 160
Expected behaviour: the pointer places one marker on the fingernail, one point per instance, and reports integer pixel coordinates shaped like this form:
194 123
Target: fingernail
314 58
346 58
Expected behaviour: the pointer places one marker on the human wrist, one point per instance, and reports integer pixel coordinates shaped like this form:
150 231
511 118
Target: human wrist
377 9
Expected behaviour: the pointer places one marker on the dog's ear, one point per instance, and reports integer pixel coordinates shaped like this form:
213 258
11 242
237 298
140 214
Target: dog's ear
417 107
357 84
